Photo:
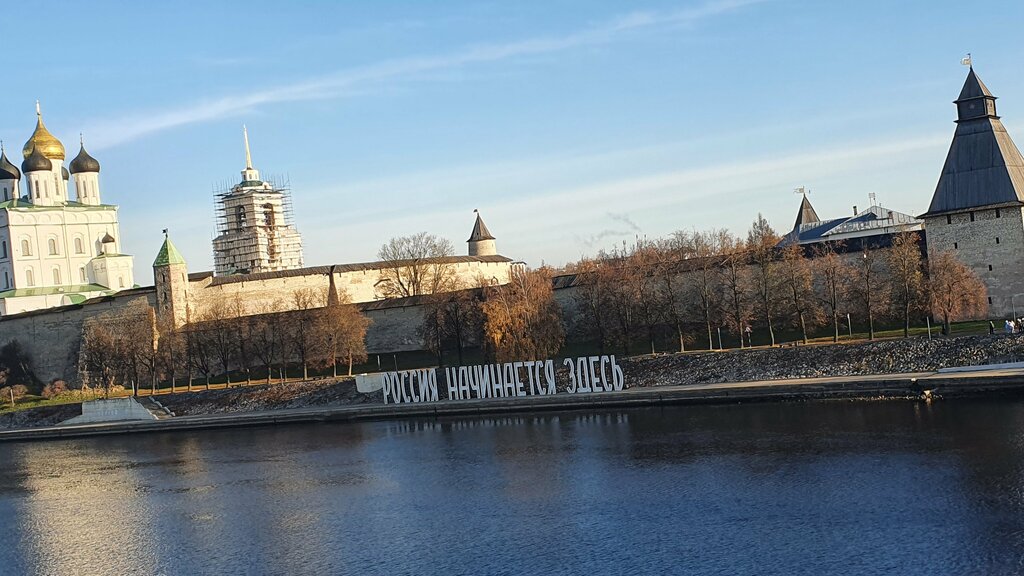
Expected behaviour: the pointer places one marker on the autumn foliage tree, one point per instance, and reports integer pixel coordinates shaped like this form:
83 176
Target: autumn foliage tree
954 290
522 320
906 277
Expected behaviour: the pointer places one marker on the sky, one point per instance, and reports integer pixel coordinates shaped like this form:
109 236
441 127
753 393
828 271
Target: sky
572 125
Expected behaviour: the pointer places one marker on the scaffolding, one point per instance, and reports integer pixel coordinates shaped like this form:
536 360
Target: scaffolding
255 227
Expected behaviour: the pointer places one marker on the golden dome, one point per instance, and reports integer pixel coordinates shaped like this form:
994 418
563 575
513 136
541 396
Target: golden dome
46 143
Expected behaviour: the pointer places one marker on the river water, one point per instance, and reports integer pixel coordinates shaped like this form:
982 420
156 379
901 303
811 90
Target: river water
802 488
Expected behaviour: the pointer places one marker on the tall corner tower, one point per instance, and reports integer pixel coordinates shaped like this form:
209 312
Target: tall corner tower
255 232
481 242
170 276
977 210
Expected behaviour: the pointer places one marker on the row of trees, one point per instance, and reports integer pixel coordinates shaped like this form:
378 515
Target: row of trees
127 347
692 283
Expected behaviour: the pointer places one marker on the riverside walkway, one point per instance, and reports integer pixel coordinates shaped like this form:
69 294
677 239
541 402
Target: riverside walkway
950 383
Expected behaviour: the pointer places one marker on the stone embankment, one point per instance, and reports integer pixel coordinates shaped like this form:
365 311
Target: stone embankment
866 358
324 392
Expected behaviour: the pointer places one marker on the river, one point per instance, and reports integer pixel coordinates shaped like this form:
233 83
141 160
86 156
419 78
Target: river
810 488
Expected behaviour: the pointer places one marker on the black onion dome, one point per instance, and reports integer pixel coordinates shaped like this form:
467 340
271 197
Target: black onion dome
8 171
84 163
64 173
35 162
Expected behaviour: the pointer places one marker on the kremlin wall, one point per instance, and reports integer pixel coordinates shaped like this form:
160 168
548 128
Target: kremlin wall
977 212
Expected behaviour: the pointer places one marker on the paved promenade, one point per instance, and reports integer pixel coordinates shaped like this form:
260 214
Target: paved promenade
1006 379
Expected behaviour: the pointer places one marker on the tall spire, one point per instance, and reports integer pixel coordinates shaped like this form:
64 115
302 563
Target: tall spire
39 112
248 156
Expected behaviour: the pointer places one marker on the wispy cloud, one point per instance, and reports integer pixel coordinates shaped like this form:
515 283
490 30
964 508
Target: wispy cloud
339 84
554 224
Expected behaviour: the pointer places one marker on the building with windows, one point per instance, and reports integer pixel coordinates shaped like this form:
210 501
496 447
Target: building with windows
977 210
255 232
54 250
873 227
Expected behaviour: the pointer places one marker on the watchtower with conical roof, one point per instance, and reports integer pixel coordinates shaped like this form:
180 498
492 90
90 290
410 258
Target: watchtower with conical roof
977 210
170 277
481 242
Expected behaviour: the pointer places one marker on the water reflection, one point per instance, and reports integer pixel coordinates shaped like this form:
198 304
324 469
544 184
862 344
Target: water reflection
804 488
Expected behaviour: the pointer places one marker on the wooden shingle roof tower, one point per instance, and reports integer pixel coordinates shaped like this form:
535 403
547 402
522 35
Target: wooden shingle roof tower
983 166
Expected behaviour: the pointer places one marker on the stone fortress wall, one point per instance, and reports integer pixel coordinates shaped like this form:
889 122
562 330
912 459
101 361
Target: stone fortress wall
993 246
53 337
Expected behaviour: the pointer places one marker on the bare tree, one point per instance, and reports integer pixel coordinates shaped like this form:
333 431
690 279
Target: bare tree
833 274
522 318
590 296
301 327
344 327
798 286
452 318
954 290
733 280
761 242
671 289
868 287
906 275
705 282
416 265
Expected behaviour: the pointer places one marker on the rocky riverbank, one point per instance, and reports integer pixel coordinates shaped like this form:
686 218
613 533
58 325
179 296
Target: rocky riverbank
882 357
324 392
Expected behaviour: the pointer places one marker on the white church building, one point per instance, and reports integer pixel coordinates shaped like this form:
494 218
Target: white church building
54 250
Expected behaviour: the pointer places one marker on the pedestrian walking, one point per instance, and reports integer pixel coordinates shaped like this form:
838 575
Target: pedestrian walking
991 327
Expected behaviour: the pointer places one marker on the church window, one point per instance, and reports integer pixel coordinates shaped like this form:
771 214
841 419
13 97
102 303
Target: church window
51 244
7 280
26 248
6 197
81 275
56 276
30 278
268 214
972 216
3 249
949 219
79 245
997 213
240 214
120 281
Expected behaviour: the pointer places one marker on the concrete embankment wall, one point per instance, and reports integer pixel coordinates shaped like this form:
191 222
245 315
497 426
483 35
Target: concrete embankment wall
111 410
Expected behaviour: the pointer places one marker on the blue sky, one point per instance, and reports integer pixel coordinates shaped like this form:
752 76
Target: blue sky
572 125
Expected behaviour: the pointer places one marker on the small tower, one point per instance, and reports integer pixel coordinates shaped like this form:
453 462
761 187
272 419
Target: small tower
170 276
86 171
481 243
10 178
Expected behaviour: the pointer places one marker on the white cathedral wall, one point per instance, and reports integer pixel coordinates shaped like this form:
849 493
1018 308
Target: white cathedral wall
63 226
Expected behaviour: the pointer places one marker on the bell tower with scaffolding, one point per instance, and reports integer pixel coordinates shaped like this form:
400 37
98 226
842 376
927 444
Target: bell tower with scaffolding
255 230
